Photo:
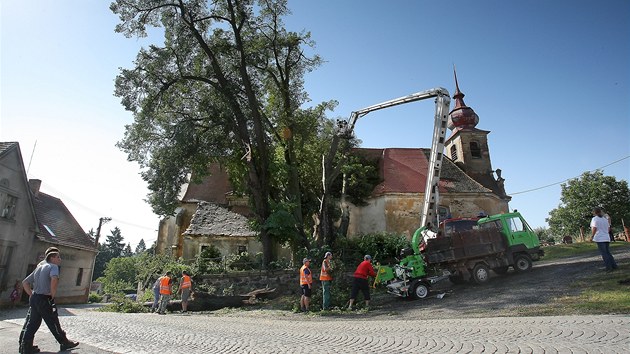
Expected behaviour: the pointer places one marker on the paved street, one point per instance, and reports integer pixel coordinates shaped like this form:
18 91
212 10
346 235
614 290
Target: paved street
280 332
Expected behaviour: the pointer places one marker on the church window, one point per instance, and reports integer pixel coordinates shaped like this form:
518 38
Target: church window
475 150
453 152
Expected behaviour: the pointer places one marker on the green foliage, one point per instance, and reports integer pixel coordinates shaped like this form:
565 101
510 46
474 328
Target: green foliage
141 247
545 235
114 244
147 296
579 197
127 252
362 176
152 266
95 298
120 303
281 225
102 257
120 274
383 247
208 261
243 261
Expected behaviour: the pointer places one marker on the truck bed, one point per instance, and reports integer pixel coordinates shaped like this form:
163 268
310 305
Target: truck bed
464 245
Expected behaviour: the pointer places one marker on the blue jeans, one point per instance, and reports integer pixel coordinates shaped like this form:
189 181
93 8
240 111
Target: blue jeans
156 299
609 261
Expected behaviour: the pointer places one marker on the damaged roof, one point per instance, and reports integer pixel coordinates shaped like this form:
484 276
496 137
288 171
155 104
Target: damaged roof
214 220
404 170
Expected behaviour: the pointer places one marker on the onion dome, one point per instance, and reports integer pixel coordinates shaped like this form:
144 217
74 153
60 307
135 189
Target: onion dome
461 116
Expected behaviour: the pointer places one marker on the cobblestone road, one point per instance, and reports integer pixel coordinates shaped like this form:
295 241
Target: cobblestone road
295 333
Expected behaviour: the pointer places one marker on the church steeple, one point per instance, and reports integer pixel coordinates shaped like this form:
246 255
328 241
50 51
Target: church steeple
461 116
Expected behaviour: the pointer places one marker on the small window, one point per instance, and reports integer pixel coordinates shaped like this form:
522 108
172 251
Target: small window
516 224
242 249
475 150
79 277
453 152
7 206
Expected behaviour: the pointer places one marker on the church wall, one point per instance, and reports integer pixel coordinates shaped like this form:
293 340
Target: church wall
400 213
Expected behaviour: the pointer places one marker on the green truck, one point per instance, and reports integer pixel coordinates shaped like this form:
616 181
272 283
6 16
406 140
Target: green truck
462 250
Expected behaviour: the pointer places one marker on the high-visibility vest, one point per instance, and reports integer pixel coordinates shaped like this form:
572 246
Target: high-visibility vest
324 275
305 279
165 287
186 283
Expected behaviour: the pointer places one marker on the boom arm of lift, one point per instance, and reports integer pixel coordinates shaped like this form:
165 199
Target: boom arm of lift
442 105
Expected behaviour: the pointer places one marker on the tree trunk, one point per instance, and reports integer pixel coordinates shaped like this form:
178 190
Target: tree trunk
324 231
295 193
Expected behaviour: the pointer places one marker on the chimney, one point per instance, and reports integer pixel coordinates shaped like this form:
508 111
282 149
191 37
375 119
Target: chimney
34 184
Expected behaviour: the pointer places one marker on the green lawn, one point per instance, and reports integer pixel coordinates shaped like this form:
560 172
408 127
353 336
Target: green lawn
599 293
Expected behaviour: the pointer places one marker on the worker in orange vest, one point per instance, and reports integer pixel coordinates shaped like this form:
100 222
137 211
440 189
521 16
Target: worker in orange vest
166 283
306 284
325 276
185 288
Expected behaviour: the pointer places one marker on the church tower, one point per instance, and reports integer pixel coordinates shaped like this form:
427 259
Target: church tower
467 146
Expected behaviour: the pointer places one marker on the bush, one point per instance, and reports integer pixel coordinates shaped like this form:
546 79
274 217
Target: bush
94 297
147 296
120 303
383 247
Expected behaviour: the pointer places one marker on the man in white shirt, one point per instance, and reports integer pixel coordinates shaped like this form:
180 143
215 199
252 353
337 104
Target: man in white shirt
600 234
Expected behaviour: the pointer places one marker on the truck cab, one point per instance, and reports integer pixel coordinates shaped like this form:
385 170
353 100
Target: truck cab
518 234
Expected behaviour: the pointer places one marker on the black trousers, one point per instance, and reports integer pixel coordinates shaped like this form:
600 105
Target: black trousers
42 307
360 284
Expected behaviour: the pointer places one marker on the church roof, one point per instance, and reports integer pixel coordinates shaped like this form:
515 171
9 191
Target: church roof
404 170
213 187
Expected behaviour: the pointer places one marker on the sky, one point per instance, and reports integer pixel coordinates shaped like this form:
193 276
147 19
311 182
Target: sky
550 80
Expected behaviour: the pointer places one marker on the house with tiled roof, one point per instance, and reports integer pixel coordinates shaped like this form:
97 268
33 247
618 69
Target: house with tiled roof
32 221
209 213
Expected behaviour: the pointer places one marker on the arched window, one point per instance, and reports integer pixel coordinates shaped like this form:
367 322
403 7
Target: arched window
475 150
453 152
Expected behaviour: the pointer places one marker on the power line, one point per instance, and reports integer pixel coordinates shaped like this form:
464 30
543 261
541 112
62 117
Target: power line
553 184
95 212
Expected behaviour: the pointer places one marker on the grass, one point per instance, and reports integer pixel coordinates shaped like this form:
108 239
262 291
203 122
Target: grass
576 249
598 294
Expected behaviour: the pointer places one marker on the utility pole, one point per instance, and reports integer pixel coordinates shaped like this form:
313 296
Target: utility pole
101 222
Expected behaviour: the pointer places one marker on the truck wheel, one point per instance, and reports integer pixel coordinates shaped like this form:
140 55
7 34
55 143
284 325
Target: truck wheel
419 290
501 270
522 263
481 273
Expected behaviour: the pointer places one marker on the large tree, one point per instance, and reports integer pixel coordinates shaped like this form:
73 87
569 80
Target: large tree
114 244
579 197
226 85
141 247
